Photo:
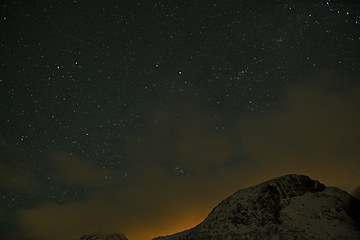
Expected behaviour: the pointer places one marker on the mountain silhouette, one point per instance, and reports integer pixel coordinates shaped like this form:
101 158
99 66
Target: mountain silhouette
288 207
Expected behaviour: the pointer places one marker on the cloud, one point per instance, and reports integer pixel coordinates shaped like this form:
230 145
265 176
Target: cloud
15 173
16 177
159 204
185 136
70 221
74 170
180 167
314 132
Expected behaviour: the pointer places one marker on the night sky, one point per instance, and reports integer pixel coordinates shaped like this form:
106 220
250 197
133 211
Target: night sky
141 116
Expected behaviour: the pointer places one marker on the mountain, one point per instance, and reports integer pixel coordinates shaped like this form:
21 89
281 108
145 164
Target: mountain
103 237
289 207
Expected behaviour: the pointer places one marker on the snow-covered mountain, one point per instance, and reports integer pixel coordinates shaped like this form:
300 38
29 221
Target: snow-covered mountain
288 207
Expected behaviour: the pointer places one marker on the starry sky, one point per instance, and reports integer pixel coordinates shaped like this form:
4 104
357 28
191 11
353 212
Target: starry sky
141 116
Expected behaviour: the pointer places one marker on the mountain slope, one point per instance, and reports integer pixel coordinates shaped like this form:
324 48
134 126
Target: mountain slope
288 207
99 236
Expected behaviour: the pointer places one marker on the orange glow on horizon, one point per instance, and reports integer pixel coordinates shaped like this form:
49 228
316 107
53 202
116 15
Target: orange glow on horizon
175 226
182 225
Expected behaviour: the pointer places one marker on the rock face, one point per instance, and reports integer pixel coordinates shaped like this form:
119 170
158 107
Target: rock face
103 237
288 207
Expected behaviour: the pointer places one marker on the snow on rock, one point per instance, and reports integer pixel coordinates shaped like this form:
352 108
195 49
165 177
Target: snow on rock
289 207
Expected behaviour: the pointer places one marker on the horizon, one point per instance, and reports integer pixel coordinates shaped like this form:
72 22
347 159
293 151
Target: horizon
176 231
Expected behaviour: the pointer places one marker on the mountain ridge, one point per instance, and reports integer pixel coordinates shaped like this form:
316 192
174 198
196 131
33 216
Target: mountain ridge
288 207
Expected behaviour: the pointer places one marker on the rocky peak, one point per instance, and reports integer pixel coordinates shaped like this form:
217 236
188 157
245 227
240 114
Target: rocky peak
292 185
264 199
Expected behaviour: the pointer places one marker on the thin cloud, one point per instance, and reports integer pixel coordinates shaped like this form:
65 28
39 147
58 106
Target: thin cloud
315 133
74 170
16 177
312 132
